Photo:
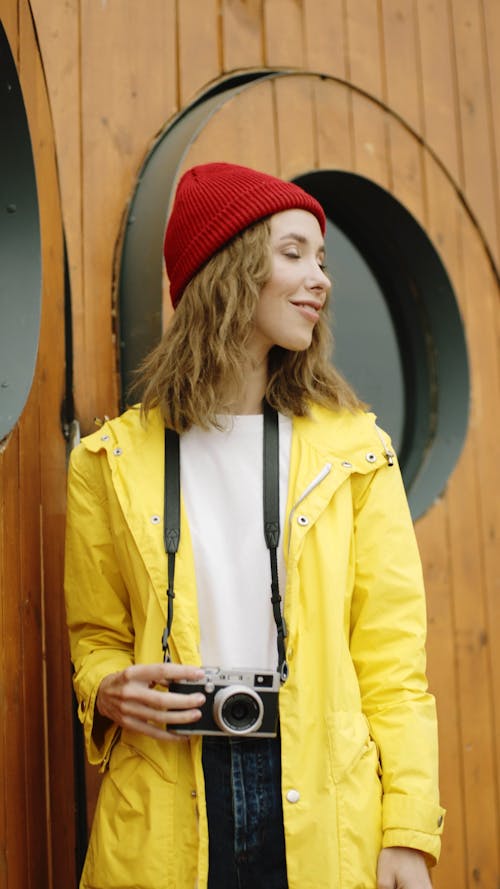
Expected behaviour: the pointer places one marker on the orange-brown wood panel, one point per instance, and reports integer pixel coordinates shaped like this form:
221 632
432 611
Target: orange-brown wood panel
364 46
58 32
295 125
123 105
438 83
442 224
199 46
53 663
406 169
402 83
30 645
432 535
333 117
12 768
473 675
26 491
369 140
284 33
324 36
491 30
9 16
476 129
478 805
242 34
482 326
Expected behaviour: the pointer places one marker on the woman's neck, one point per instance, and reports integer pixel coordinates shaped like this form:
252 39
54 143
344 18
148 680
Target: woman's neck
249 400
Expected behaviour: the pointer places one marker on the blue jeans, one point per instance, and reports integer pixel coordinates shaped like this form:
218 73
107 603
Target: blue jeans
245 815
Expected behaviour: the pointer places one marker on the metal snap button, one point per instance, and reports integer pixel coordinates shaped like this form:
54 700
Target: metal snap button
155 519
371 457
302 520
293 796
105 437
117 452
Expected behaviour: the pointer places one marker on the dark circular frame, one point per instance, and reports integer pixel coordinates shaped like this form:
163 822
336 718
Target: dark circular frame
20 249
426 318
401 256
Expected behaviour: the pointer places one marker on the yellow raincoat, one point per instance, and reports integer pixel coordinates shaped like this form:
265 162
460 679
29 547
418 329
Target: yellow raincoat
358 729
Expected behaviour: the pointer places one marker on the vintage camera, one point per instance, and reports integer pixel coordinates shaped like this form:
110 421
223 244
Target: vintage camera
238 703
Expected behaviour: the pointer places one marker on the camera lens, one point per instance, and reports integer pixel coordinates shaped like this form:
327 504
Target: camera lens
238 710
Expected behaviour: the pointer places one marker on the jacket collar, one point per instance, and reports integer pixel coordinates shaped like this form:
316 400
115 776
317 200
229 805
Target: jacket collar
349 439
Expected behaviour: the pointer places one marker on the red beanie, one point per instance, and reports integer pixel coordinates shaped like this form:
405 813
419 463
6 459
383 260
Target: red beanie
215 202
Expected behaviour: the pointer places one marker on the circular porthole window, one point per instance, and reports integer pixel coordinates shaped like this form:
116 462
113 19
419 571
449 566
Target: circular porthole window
20 262
398 332
399 336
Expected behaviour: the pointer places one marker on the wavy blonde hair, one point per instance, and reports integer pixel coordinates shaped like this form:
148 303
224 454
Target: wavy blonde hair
200 364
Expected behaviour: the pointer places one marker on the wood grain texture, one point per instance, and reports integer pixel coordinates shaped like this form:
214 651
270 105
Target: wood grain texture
123 106
440 126
284 34
199 46
491 41
324 37
295 126
364 46
369 128
333 119
402 83
478 150
242 34
32 470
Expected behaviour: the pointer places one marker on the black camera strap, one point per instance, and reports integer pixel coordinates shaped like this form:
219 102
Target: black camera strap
172 524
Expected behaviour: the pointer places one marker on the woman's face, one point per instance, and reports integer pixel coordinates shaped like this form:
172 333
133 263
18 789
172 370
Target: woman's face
291 301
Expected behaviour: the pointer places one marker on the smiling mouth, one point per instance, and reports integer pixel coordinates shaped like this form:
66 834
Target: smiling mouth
309 309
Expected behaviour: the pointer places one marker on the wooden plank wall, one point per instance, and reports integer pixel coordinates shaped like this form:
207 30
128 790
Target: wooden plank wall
36 755
116 75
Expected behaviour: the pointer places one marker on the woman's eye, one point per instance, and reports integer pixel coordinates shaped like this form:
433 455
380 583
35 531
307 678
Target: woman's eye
323 266
292 254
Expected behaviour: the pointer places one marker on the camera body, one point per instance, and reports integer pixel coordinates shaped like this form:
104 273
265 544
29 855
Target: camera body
239 703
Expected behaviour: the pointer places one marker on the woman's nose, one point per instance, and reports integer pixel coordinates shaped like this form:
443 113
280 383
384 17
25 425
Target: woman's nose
319 280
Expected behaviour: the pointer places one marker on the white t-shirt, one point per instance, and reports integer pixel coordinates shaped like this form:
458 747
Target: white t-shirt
221 483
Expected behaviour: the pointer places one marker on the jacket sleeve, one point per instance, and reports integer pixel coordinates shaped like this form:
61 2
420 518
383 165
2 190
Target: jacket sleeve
97 602
387 641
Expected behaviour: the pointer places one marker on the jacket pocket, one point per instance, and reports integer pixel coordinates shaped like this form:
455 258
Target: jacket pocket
133 828
349 740
355 771
162 756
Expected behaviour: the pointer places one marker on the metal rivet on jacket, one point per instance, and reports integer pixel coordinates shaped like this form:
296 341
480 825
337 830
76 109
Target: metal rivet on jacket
117 452
346 464
302 520
105 437
371 457
155 519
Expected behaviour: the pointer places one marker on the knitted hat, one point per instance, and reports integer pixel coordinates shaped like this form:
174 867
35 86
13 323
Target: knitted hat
215 202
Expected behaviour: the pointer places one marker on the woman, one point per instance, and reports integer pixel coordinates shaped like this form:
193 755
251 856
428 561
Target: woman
345 792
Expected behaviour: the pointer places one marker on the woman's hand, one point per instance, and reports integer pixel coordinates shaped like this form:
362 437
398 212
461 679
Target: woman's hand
130 699
400 868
